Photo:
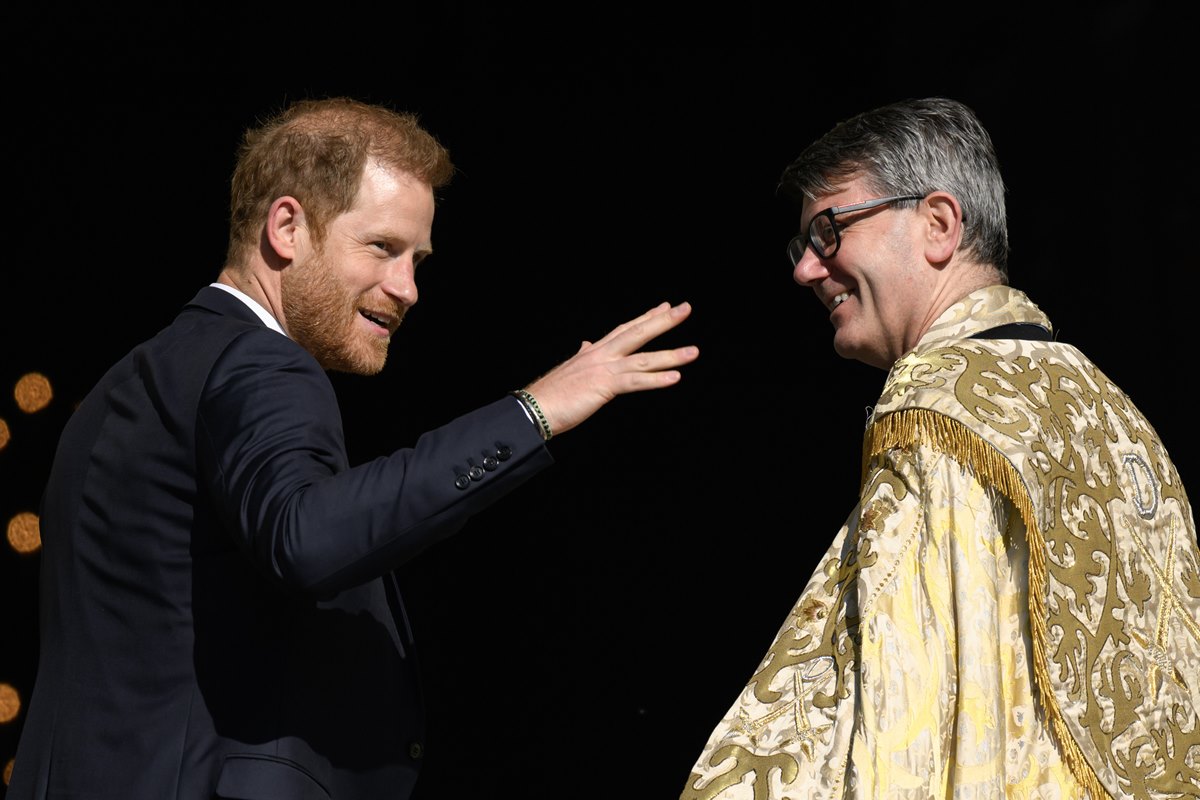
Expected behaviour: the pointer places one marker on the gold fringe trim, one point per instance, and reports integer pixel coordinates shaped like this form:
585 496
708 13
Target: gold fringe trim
913 426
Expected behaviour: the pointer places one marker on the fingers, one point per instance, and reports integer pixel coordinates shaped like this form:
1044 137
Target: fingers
659 360
653 370
599 371
659 309
635 333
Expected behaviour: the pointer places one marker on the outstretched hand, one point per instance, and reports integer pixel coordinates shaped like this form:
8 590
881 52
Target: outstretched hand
577 388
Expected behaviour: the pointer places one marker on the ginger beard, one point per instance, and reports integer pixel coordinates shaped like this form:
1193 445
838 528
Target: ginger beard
322 317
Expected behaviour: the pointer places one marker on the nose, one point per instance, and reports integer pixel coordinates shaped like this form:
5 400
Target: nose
809 269
400 283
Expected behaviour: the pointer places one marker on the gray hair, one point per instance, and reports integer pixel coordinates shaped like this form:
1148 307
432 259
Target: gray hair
914 147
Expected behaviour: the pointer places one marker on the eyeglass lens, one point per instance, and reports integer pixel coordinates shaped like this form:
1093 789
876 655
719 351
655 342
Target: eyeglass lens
796 247
822 235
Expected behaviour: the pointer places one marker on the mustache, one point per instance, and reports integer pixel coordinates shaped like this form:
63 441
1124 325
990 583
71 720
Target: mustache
387 313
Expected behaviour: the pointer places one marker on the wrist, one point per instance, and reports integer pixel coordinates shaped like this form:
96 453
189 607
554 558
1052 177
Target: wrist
535 412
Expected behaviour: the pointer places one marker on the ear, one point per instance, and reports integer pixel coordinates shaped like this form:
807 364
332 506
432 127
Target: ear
285 227
944 231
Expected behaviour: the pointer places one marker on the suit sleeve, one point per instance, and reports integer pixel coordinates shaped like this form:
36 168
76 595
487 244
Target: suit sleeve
272 455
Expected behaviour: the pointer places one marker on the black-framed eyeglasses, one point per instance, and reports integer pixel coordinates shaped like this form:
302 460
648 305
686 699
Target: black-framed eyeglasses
824 235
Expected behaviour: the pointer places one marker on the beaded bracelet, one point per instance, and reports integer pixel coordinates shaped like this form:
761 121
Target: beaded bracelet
535 411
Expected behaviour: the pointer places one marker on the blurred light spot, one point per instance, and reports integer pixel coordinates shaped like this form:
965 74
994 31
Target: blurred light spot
8 768
33 392
4 434
10 703
24 532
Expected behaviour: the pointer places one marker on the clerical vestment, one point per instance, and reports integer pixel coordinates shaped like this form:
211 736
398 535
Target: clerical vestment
1012 608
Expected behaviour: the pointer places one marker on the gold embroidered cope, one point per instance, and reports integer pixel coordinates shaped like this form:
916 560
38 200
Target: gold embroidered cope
1011 608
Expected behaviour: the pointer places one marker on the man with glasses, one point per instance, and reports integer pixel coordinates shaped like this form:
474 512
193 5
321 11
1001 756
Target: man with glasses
1011 608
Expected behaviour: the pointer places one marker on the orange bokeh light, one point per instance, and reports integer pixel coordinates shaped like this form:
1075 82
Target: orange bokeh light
10 703
33 392
25 532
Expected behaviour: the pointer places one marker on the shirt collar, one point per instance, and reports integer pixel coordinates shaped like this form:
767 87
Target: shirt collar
261 312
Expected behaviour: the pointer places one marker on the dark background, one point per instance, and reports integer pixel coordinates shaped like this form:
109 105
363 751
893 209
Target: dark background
584 636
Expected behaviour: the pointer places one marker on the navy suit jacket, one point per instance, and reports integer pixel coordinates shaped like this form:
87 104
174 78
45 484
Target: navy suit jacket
219 612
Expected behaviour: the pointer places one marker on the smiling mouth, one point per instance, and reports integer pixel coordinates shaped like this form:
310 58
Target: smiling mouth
387 323
839 299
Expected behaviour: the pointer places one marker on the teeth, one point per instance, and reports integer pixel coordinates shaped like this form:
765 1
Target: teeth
841 298
376 320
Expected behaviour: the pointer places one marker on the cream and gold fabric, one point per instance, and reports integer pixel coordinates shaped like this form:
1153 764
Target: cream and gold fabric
1010 610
